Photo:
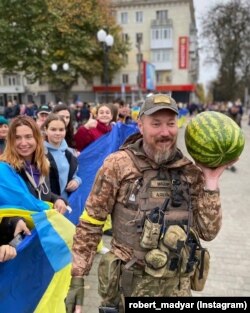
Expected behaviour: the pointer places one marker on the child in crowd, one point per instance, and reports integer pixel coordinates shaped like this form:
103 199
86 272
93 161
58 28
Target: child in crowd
63 164
64 111
94 128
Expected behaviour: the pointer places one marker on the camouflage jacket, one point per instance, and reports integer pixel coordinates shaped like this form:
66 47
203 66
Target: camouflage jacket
108 190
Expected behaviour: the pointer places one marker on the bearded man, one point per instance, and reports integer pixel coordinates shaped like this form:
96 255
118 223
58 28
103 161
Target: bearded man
157 197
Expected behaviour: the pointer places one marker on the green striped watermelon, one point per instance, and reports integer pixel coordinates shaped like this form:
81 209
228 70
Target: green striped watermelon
213 139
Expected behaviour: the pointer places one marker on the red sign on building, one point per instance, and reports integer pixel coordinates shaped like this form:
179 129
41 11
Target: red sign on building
183 52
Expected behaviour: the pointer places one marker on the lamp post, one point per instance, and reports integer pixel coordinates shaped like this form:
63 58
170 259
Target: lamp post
62 90
54 67
139 57
107 41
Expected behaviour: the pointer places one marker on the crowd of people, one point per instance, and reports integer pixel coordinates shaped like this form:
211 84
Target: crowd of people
159 201
42 145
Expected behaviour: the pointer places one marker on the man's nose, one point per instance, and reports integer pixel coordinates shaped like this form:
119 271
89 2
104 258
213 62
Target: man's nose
165 130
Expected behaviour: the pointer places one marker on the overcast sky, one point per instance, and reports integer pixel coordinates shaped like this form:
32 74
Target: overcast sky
207 72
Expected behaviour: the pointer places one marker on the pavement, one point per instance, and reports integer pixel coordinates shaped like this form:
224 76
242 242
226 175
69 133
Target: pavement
229 273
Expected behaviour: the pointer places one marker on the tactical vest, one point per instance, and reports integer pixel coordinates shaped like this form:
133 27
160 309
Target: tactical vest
145 193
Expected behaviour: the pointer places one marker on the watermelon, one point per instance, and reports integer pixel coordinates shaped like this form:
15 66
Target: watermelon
213 139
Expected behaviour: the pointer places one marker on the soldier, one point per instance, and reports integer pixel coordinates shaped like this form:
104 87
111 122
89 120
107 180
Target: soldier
161 204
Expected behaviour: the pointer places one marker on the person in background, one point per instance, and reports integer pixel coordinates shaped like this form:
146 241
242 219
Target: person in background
8 110
24 152
42 113
9 228
82 113
13 109
160 203
63 164
31 109
94 128
4 128
64 111
88 133
235 112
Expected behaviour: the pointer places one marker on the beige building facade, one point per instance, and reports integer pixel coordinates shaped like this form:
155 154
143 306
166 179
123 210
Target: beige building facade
163 39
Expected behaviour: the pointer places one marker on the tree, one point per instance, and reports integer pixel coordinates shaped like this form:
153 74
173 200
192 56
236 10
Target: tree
35 34
226 31
200 93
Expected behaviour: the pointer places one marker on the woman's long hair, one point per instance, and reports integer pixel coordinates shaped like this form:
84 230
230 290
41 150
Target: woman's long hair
10 154
70 128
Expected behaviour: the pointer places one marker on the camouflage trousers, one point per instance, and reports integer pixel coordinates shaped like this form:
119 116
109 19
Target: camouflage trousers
134 282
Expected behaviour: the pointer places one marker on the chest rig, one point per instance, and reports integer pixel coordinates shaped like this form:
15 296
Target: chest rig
156 186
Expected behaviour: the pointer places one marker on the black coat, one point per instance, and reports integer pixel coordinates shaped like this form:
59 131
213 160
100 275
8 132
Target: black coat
54 175
43 192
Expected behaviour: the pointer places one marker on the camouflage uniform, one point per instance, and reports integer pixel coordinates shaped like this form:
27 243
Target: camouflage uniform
109 191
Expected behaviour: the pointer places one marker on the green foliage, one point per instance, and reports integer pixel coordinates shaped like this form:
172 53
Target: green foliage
35 34
200 93
227 34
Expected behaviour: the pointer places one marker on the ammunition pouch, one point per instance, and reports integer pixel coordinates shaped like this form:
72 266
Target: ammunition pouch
167 260
199 277
179 255
156 261
150 235
109 271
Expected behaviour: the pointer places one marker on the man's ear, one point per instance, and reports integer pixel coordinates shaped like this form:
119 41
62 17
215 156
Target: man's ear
140 125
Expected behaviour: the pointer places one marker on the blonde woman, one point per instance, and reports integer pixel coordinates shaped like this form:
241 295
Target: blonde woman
24 152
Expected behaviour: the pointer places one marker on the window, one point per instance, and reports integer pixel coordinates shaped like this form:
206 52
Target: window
161 33
162 15
139 17
161 55
139 38
125 59
125 79
124 17
30 98
11 80
158 77
42 99
166 33
125 37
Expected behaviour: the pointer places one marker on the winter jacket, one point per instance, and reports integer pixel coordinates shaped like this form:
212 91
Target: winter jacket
84 136
63 167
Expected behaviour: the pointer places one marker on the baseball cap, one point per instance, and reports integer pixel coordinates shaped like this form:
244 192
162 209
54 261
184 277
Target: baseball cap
3 121
44 109
154 103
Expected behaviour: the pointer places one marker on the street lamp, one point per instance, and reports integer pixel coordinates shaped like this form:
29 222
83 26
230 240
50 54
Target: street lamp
65 67
107 41
60 83
139 57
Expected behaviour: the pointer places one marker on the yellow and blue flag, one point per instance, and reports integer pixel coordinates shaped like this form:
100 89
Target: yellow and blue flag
37 279
91 159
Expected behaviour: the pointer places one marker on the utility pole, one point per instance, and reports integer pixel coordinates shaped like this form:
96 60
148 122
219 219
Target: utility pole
139 62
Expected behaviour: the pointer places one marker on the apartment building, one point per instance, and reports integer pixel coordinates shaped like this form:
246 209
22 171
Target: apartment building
164 49
163 58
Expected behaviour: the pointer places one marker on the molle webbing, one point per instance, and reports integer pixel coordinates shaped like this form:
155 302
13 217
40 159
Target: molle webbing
143 195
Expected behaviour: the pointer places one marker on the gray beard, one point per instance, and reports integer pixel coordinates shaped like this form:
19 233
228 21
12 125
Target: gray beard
159 157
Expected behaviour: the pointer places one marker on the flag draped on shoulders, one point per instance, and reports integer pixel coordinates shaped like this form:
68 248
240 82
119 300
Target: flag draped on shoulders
37 279
91 159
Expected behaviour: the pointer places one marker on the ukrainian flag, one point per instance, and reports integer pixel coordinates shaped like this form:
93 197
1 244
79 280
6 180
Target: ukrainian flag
91 159
37 279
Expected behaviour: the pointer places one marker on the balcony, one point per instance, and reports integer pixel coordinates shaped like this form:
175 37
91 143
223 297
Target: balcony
12 89
163 66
